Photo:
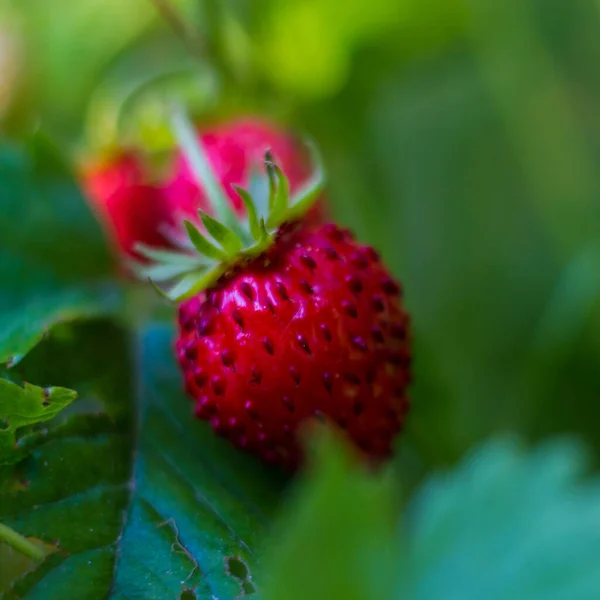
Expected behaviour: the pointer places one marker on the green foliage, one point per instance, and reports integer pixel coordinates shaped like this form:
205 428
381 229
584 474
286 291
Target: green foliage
505 523
15 563
335 538
22 407
40 205
94 32
74 488
142 500
45 282
198 504
316 61
461 140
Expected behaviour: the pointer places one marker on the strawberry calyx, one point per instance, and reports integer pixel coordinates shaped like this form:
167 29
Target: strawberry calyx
203 257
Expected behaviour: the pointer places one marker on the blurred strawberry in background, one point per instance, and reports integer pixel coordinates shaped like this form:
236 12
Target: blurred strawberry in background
129 206
135 207
235 150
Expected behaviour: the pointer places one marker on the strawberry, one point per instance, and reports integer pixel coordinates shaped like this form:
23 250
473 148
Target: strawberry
136 210
281 322
104 177
312 327
130 208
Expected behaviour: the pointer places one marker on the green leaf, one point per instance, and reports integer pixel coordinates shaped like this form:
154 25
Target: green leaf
192 490
24 324
202 244
144 500
230 242
336 536
77 483
20 557
44 217
21 407
505 524
53 253
51 249
51 258
251 210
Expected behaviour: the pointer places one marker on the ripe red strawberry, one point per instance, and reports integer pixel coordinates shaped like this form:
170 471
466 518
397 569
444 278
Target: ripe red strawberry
314 326
284 322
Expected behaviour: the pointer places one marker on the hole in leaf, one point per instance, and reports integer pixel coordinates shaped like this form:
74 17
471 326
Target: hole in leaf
237 568
248 588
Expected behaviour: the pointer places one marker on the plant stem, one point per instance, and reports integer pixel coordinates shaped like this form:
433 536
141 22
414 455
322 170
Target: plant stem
21 543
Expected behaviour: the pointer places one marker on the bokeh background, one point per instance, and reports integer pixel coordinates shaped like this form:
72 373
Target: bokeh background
462 138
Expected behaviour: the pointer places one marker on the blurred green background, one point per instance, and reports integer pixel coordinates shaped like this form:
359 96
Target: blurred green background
462 139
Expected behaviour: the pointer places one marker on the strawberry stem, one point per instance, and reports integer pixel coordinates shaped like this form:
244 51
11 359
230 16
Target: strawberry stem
202 170
21 543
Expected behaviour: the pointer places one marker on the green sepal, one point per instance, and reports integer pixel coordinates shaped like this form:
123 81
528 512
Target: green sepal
264 234
175 236
202 244
253 223
282 195
193 283
258 188
308 193
272 178
163 272
168 257
160 291
303 201
229 241
237 240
